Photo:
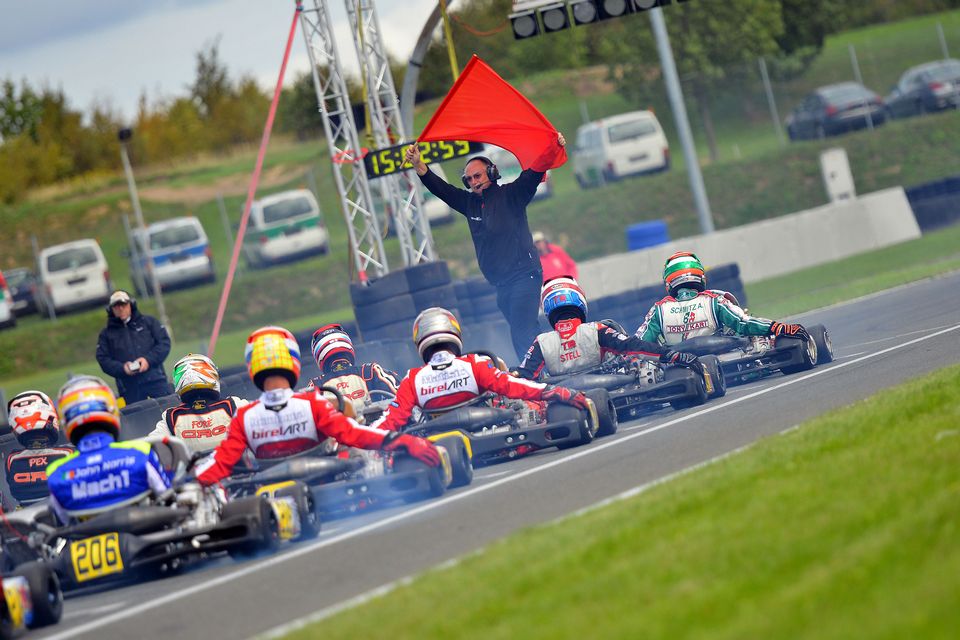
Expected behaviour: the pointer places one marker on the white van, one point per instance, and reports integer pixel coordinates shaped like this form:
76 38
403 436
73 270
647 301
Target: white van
622 145
73 275
509 168
179 252
284 226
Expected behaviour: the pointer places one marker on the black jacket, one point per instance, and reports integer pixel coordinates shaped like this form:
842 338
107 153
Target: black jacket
498 224
119 343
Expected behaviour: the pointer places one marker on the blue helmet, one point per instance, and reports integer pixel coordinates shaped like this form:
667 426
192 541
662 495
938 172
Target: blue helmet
562 294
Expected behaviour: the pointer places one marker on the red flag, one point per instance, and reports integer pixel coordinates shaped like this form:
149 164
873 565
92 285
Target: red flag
483 107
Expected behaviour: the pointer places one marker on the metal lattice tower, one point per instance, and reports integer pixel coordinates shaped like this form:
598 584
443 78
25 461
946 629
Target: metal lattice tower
333 102
402 190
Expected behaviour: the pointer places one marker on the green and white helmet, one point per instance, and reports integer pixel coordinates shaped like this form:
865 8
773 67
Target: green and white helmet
195 371
683 270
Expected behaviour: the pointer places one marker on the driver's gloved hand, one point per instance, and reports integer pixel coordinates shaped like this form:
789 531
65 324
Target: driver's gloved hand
682 358
790 330
566 396
419 448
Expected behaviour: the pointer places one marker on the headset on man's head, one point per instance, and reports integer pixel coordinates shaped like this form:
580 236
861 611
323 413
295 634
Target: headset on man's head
493 174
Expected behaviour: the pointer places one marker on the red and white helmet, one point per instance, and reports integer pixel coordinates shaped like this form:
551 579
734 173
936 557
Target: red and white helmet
34 418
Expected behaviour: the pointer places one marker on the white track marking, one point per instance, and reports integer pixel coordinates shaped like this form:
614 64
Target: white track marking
633 428
896 337
596 447
487 476
94 610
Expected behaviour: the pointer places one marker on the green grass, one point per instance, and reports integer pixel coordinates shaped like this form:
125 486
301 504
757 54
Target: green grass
844 528
933 254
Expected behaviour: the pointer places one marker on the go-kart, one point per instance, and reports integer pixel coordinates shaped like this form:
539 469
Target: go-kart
747 358
158 535
31 589
491 428
625 388
330 482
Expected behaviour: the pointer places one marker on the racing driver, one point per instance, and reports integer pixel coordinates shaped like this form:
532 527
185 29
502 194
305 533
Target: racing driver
576 345
202 417
282 423
36 425
448 378
691 310
333 350
102 473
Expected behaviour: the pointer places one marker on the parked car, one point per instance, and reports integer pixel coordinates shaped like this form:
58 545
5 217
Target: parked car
73 275
510 169
285 226
177 250
835 109
626 144
437 211
7 317
23 287
933 86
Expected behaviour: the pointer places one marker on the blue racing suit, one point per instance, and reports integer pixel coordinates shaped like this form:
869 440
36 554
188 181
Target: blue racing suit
103 474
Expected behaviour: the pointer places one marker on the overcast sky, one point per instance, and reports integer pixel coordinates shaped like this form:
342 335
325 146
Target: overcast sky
111 51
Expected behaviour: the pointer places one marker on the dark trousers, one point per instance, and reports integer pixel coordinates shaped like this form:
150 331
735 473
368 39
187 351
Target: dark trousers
519 301
154 389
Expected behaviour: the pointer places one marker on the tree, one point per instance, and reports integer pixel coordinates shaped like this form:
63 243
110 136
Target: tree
212 84
19 111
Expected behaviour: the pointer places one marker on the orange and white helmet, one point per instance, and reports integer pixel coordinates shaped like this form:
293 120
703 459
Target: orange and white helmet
193 372
683 270
33 418
272 351
85 403
436 326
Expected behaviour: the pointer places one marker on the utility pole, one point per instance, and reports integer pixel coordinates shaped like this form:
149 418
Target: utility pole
402 190
675 93
333 103
124 136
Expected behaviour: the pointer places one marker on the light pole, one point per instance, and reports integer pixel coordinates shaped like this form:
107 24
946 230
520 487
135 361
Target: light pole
124 136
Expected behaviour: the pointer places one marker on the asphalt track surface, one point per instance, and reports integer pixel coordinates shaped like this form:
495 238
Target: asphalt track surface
880 341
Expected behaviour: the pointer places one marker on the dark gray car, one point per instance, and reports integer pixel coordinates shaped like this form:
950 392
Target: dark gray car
929 87
835 109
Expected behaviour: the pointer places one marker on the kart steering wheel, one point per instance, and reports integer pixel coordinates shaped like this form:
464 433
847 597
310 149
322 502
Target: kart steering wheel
497 360
341 403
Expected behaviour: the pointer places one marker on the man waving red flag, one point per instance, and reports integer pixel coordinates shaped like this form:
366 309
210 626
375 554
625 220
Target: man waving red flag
482 107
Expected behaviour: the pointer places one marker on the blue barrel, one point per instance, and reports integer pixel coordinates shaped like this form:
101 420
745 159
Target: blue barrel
647 234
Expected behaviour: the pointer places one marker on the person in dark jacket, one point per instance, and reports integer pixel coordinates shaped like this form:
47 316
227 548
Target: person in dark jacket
132 348
497 216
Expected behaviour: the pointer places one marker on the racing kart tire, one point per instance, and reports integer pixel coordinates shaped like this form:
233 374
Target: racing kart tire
821 336
45 594
674 373
437 488
306 508
460 463
808 353
269 529
557 412
607 423
712 365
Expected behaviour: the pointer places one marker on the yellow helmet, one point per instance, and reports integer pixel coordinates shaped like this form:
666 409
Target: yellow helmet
272 351
87 402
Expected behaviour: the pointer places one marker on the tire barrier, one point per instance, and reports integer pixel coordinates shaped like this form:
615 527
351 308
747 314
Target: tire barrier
935 204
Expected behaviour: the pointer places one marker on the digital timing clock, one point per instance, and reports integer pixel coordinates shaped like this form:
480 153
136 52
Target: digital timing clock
383 162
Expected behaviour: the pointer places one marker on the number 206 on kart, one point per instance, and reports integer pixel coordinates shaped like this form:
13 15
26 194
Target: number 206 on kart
383 162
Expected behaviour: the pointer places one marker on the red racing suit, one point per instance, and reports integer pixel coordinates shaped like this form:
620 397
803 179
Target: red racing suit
282 423
448 380
201 424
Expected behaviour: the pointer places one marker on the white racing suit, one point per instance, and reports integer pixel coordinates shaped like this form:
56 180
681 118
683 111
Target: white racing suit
693 314
577 346
202 424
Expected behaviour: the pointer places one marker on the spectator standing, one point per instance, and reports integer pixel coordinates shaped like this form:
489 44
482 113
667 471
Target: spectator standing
497 216
555 261
132 348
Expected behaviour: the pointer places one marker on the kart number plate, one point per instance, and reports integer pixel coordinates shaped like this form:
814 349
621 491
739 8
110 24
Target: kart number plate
96 557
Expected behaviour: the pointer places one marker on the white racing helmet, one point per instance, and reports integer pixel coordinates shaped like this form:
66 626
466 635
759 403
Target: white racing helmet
195 371
435 326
